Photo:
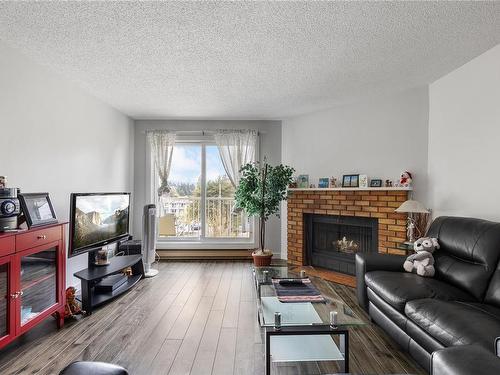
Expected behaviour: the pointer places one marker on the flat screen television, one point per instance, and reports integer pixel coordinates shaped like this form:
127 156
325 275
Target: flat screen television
97 219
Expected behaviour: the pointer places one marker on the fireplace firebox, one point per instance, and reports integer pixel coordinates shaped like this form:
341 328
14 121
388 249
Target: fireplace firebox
332 241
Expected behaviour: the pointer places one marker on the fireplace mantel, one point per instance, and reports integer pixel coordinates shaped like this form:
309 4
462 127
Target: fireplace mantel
354 189
379 203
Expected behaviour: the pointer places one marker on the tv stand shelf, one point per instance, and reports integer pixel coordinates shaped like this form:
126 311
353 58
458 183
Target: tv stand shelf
92 275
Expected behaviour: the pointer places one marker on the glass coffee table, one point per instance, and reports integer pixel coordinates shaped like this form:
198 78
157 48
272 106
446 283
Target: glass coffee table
311 337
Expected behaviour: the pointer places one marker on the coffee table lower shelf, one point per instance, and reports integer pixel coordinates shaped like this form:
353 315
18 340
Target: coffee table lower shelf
312 343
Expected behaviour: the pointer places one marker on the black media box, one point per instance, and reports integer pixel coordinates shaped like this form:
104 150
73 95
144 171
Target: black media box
110 283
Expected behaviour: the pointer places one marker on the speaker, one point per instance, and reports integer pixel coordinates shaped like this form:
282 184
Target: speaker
130 247
149 232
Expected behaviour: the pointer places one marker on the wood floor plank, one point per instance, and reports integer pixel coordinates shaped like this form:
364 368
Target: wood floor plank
258 355
181 325
104 345
232 308
213 284
223 290
245 339
165 357
169 321
205 356
224 358
148 352
96 323
193 318
187 352
132 348
247 285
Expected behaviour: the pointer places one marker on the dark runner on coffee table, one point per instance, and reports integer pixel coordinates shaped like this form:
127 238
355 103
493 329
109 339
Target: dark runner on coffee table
302 290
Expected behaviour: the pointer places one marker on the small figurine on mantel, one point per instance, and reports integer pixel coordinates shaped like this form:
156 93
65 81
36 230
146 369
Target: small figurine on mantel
405 179
388 183
333 182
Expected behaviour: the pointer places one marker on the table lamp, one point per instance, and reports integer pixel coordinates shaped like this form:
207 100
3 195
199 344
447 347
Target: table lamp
411 207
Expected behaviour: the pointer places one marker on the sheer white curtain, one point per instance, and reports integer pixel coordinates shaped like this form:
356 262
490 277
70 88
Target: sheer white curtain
236 148
162 144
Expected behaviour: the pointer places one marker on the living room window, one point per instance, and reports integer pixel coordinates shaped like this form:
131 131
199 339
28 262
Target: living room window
198 208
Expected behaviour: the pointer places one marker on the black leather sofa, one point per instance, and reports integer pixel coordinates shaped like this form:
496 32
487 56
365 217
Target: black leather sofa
460 305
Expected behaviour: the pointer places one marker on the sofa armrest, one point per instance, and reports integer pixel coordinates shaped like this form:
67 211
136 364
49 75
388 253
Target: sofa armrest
464 360
374 262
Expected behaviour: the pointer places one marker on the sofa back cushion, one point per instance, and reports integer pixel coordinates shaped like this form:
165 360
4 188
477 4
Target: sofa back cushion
469 253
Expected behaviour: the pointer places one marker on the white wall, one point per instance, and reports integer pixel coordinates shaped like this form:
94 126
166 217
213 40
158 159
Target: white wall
379 137
464 139
56 138
270 147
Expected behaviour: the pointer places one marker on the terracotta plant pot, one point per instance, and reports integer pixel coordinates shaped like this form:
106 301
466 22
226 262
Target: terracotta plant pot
262 260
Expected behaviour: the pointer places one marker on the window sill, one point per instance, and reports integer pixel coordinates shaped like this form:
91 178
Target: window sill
205 254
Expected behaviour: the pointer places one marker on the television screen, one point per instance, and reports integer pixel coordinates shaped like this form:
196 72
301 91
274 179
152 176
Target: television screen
97 219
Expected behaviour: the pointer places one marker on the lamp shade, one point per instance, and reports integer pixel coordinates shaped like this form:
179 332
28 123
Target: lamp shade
411 206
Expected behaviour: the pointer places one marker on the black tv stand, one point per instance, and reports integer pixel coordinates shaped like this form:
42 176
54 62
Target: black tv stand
91 276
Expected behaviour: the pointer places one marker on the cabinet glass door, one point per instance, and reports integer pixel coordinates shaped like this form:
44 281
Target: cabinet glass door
38 283
4 299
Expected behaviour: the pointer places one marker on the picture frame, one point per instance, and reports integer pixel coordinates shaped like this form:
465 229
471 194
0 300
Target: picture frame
376 182
303 181
37 209
350 180
363 181
333 182
323 183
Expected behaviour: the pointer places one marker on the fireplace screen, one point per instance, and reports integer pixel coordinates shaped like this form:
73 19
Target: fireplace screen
332 241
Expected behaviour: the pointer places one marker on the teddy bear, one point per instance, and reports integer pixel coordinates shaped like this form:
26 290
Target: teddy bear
422 261
72 307
405 179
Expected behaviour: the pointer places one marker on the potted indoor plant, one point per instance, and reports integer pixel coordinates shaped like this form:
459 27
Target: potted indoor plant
261 189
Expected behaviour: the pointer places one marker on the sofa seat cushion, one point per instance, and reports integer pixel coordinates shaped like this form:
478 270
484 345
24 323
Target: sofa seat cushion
464 360
397 288
455 323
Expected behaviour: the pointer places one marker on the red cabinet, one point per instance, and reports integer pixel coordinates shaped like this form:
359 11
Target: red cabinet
32 279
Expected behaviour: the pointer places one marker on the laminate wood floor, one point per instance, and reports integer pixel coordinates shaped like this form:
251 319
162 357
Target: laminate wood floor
193 318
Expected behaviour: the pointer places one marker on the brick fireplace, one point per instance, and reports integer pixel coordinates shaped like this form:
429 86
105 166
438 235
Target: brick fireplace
347 204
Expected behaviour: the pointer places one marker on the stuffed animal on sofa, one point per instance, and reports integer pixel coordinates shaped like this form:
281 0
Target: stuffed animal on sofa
422 262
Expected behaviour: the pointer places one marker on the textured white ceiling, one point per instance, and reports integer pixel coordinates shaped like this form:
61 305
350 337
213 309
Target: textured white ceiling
248 59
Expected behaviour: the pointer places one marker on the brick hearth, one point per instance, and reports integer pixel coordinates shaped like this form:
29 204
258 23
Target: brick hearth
376 203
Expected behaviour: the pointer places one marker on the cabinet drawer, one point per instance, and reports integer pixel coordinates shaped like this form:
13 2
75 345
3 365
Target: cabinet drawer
38 237
7 245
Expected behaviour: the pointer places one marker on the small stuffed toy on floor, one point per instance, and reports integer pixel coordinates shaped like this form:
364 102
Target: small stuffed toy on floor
422 262
72 308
